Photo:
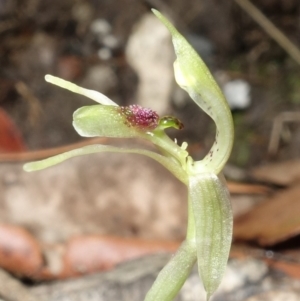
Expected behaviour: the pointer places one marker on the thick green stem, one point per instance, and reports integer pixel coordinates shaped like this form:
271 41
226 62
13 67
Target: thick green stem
174 274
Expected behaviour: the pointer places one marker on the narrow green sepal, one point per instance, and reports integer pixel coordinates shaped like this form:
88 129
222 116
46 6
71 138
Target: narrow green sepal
174 168
213 227
94 95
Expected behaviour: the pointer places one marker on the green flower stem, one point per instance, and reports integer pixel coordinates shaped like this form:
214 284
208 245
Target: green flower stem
174 274
168 147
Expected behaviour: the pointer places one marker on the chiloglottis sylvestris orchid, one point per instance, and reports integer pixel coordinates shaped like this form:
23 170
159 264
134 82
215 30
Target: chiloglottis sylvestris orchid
209 229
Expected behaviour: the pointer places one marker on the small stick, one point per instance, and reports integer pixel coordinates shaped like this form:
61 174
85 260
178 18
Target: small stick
34 103
7 25
277 129
270 29
44 153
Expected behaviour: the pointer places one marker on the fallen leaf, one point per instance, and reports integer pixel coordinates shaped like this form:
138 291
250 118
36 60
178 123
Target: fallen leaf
10 137
244 188
273 221
283 173
89 254
290 268
20 253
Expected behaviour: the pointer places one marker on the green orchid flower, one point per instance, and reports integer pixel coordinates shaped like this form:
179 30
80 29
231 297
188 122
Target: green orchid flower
209 229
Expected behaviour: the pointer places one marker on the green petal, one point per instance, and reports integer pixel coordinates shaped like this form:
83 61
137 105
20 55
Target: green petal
103 121
210 202
94 95
174 168
193 76
171 278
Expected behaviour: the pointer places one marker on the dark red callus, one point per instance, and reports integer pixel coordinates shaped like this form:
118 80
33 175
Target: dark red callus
142 118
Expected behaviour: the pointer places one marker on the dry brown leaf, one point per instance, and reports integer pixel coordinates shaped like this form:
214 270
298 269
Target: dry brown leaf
90 254
20 253
244 188
272 221
283 173
10 136
290 268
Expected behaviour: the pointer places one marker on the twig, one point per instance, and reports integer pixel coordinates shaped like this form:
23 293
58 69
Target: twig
277 129
270 29
7 25
41 154
34 103
45 153
245 188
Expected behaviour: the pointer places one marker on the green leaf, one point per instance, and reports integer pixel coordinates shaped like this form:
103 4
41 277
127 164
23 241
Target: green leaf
213 226
171 278
193 76
174 168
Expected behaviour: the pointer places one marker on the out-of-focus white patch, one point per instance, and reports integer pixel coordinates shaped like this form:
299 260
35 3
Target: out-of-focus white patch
100 27
104 53
152 59
110 41
237 93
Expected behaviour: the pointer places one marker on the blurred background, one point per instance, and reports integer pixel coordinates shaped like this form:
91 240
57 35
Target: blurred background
105 204
96 44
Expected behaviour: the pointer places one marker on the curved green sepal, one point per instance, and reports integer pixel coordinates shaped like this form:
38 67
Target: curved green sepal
174 168
193 76
171 278
210 202
94 95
